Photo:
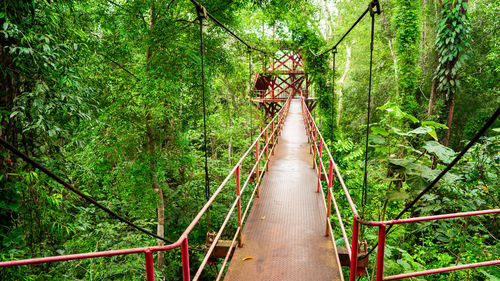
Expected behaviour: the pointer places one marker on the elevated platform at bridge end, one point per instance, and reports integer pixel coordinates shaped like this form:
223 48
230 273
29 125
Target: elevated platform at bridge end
284 232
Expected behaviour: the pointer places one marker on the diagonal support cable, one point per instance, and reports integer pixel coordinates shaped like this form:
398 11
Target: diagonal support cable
200 7
201 15
73 189
473 141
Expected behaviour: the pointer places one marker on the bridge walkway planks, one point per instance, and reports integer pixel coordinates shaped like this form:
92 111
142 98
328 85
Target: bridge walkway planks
284 232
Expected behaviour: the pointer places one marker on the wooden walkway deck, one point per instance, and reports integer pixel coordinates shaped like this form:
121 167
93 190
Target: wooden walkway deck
284 232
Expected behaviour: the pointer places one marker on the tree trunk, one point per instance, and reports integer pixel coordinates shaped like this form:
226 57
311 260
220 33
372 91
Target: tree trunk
160 229
432 98
341 81
389 42
451 109
230 143
330 22
450 101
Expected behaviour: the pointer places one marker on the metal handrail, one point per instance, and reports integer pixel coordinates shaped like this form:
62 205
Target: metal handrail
313 132
276 124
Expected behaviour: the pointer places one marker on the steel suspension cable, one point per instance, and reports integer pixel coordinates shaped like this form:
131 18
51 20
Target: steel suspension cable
250 74
204 11
346 33
473 141
250 70
364 195
73 189
207 178
334 51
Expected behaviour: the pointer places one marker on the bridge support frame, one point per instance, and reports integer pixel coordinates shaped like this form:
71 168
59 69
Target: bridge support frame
285 76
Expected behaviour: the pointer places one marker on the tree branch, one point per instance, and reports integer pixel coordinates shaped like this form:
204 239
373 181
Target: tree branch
119 65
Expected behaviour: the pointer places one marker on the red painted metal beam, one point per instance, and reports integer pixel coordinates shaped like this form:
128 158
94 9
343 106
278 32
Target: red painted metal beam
182 241
440 270
429 218
291 86
89 255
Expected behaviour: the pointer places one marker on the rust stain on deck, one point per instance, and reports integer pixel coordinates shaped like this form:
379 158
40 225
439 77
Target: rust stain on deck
289 244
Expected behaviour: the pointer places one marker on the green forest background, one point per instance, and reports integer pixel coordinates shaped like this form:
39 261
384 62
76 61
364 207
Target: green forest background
107 94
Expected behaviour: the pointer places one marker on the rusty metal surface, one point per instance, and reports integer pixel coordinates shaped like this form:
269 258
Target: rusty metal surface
284 232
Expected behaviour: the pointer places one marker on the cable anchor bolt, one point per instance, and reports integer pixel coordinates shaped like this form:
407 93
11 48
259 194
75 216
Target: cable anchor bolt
374 7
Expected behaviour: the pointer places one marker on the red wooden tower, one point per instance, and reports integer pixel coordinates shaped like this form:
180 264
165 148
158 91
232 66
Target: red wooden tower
284 77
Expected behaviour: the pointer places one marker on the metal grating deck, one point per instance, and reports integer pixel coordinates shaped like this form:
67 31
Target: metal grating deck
289 243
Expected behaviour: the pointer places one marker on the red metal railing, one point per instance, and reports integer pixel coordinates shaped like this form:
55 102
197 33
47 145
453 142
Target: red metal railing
317 149
269 136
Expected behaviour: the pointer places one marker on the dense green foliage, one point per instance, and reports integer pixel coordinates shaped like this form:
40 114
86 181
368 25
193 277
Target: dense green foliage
407 25
108 95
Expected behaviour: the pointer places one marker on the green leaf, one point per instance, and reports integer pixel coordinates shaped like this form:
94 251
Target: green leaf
397 195
489 276
420 130
417 182
433 134
434 124
399 132
379 131
444 153
376 139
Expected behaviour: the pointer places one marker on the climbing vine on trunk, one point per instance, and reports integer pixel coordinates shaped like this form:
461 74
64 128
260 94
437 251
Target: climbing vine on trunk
452 45
407 22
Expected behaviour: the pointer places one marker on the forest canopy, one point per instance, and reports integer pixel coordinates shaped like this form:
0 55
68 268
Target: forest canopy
107 94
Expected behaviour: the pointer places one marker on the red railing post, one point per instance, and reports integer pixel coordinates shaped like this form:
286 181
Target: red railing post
267 149
306 124
312 134
380 253
329 198
238 193
257 172
273 135
185 260
282 121
150 267
320 161
354 250
314 148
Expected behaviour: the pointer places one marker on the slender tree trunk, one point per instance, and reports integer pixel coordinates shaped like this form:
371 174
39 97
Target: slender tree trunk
432 98
449 120
450 102
230 143
389 42
341 82
160 228
330 22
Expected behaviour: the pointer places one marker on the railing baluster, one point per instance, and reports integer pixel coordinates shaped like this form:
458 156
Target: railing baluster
314 148
185 260
238 193
320 162
329 198
267 149
150 268
354 250
273 135
380 253
257 172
